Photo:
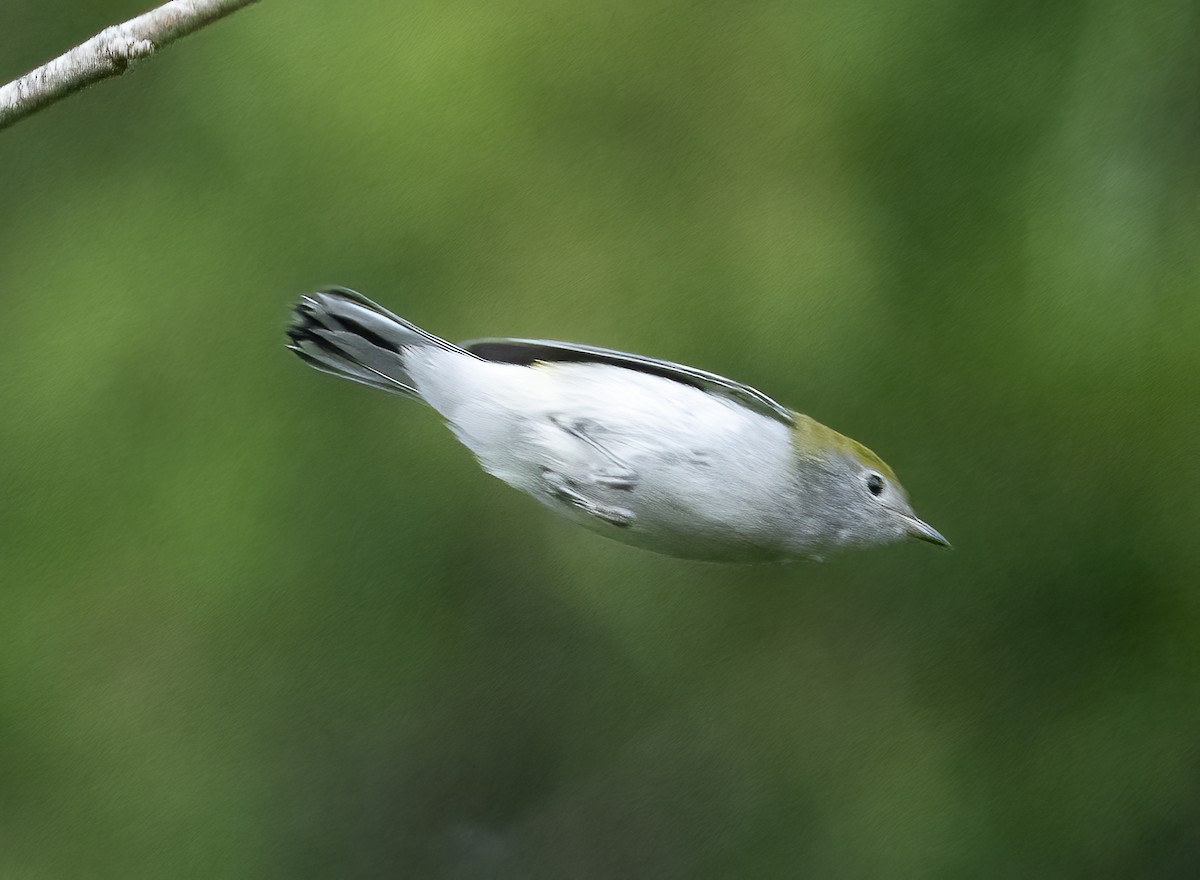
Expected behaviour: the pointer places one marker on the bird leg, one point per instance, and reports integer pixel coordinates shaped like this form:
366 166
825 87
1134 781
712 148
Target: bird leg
619 475
567 490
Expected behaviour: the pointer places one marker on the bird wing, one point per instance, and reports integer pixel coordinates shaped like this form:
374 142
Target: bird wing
528 351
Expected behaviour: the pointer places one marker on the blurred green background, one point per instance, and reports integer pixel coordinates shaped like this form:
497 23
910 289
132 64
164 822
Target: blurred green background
258 622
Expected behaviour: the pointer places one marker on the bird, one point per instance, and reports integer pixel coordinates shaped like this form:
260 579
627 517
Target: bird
652 453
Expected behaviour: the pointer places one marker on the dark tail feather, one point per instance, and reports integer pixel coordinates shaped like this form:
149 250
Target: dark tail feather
342 332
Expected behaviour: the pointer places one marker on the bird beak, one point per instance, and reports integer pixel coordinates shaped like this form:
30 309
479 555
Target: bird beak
923 531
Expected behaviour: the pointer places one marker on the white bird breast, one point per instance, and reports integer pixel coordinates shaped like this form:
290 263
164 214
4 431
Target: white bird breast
705 470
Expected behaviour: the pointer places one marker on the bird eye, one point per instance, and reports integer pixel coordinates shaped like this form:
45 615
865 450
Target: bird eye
875 484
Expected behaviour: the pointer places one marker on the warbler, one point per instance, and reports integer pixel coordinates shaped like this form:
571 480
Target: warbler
649 452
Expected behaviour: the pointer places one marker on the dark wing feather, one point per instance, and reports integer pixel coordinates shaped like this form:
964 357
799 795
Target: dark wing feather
528 351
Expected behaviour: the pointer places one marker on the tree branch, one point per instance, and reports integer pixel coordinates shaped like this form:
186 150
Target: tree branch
109 53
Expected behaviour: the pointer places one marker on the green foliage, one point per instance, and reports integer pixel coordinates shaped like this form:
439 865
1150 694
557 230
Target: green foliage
260 623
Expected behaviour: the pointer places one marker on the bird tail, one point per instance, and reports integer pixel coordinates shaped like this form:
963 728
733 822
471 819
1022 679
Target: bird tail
342 332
